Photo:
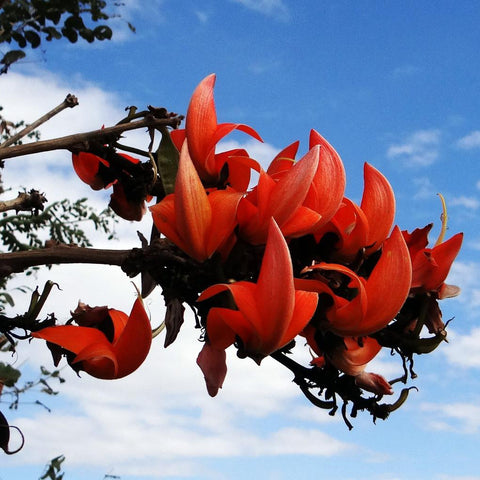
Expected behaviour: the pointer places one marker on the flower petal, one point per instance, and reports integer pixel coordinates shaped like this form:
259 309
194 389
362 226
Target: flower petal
378 205
212 363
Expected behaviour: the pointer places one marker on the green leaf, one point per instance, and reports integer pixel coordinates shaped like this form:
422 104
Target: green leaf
167 162
9 375
102 32
33 38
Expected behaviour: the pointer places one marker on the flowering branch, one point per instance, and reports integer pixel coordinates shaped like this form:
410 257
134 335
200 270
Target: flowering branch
81 140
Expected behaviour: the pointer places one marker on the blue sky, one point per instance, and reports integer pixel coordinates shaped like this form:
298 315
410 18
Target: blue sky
392 83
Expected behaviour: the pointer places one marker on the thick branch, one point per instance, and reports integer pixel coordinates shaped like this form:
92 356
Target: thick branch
83 138
16 262
31 201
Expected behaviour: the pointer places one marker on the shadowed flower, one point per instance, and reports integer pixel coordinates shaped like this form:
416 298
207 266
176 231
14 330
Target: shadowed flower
270 313
203 133
197 222
430 266
128 197
376 300
107 344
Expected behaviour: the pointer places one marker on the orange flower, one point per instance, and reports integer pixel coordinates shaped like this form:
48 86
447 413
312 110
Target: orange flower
366 226
351 356
281 200
110 345
378 299
203 133
197 222
270 312
98 173
430 266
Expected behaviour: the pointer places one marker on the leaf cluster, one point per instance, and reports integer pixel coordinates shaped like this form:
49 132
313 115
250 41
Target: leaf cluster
27 23
60 222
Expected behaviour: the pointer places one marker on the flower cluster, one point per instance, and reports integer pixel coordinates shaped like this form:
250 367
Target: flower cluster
289 259
332 271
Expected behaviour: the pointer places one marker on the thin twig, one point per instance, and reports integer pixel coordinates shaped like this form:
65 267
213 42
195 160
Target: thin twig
69 102
78 139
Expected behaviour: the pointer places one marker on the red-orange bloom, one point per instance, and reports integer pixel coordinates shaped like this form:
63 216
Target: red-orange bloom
351 356
366 226
197 222
114 346
203 133
378 299
327 187
98 173
430 266
270 312
281 200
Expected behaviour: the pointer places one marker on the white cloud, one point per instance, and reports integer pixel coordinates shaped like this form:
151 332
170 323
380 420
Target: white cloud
472 203
465 275
470 141
463 350
271 8
420 149
424 188
457 417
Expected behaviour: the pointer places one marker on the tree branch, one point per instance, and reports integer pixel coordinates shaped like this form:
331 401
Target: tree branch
69 102
15 262
31 201
80 140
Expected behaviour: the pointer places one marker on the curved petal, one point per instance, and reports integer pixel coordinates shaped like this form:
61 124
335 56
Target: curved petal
305 306
431 267
304 221
201 121
223 205
353 356
164 218
178 136
290 191
378 205
212 362
275 287
388 285
70 337
98 360
193 213
133 345
417 240
86 166
284 160
328 185
223 324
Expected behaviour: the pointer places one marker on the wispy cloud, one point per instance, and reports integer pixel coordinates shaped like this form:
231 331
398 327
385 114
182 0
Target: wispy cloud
470 141
462 417
465 275
419 149
424 187
202 16
463 349
405 71
271 8
472 203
